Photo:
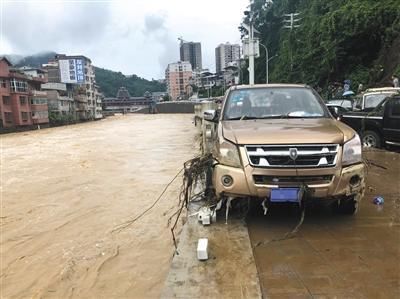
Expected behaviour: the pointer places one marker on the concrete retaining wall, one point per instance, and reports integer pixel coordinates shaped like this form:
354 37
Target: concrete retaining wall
176 107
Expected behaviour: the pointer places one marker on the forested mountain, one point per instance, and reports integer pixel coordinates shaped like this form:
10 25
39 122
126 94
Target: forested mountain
35 60
109 81
336 40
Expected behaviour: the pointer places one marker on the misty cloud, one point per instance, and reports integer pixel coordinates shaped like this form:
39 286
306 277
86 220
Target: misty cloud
67 25
154 23
155 27
131 36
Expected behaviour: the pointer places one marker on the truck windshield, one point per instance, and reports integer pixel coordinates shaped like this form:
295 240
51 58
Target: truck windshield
372 100
259 103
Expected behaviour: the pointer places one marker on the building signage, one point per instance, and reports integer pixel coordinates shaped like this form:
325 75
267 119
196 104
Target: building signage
72 71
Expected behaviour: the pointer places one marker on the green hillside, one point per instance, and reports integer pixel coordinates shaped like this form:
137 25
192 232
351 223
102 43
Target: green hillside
110 81
336 40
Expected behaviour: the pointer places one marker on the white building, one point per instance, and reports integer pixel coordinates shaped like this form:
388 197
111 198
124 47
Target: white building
98 102
60 101
225 55
79 71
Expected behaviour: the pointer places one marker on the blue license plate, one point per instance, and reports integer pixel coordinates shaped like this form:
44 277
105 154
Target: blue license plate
284 195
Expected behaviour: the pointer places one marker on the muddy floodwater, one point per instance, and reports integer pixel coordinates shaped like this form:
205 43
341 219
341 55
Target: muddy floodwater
67 192
64 192
335 256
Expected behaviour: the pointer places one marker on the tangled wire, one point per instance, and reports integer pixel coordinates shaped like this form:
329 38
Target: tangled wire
196 178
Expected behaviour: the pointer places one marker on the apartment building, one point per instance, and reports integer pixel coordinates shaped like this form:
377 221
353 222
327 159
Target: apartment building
225 55
77 72
60 100
21 102
191 52
99 97
178 76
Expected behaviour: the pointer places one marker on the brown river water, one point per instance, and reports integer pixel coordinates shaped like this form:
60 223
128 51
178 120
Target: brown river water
63 192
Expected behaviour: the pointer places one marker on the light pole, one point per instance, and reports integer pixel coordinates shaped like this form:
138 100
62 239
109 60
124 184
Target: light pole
266 63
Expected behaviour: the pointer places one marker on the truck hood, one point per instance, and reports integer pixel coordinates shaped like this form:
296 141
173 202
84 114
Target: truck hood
286 131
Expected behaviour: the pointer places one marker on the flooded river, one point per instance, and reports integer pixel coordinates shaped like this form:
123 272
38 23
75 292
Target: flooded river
64 192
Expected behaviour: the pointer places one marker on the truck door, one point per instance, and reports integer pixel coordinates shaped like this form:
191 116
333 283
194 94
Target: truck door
391 121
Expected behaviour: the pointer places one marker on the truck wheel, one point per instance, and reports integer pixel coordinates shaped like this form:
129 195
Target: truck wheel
371 139
346 206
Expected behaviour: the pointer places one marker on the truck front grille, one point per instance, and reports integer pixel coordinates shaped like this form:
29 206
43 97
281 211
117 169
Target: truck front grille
278 156
273 180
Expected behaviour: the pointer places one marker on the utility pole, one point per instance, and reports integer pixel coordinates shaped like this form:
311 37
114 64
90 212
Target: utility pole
251 45
251 52
291 22
251 48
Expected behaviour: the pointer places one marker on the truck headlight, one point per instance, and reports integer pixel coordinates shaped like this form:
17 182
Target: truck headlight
228 154
352 151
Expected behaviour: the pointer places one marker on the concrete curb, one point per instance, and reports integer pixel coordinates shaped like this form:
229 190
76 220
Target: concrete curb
230 271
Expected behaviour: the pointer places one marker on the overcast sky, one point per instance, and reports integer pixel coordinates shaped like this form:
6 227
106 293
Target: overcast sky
134 37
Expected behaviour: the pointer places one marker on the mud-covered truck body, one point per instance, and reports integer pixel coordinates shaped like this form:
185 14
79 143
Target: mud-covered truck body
272 140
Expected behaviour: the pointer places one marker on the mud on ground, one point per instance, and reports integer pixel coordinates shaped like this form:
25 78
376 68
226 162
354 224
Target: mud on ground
335 256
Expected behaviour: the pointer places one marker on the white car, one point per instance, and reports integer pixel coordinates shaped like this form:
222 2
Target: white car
373 96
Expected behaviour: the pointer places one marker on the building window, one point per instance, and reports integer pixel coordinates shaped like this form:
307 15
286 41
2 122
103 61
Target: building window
40 114
18 86
38 101
24 116
8 117
3 83
6 100
22 100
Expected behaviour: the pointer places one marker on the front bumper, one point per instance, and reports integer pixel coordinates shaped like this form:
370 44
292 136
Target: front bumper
339 182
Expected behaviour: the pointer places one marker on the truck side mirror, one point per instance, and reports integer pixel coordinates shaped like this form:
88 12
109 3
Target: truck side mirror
334 111
211 115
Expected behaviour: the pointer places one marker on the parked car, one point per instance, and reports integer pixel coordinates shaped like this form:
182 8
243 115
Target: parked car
340 106
380 126
373 97
272 141
346 103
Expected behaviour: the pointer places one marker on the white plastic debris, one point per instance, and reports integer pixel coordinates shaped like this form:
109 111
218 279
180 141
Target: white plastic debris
206 216
206 220
202 249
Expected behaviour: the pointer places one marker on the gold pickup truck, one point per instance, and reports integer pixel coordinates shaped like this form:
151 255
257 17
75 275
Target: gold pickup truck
272 141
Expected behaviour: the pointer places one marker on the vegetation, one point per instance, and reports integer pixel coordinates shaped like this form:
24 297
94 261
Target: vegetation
33 60
215 91
110 81
337 40
58 119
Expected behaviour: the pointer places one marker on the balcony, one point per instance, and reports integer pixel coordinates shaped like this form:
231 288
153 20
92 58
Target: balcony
38 93
81 98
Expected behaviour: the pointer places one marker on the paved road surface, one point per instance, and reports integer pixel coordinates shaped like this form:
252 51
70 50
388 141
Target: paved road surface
335 256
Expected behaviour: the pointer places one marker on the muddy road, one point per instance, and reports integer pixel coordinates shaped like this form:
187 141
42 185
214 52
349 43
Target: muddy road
335 256
64 191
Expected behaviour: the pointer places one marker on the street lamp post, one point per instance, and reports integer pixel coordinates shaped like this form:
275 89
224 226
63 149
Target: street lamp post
266 63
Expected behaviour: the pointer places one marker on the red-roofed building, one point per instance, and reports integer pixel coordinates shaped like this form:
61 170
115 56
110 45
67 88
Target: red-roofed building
21 101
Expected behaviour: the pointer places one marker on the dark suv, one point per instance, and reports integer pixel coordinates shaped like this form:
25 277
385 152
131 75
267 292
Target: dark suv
379 127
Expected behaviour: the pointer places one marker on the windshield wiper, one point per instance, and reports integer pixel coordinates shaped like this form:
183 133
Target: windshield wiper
243 117
285 116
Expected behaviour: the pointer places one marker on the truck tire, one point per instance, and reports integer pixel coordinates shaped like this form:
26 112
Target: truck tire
371 139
